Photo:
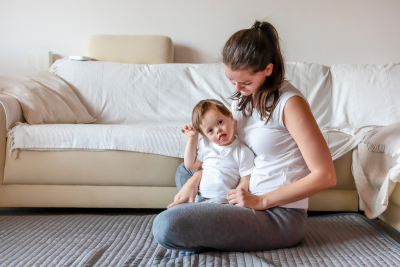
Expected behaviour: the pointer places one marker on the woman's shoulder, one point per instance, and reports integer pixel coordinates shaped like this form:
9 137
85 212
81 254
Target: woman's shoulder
287 87
287 90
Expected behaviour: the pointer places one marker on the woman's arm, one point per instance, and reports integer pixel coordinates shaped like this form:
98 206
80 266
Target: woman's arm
300 122
189 190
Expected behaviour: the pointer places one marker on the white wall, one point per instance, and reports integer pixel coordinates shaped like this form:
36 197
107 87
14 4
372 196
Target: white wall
326 32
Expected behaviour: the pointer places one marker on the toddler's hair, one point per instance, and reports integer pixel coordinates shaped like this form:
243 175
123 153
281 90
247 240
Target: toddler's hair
202 107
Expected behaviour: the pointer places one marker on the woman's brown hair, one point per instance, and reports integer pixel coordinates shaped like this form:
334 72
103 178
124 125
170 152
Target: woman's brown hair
253 49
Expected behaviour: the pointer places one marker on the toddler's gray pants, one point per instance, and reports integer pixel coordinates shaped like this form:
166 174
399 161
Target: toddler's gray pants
225 227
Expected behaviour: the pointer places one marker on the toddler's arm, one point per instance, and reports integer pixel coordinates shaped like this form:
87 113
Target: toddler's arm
244 183
190 157
246 165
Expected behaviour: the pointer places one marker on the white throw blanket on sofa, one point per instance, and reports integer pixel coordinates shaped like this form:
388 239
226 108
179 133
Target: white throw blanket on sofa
376 168
167 141
161 140
375 175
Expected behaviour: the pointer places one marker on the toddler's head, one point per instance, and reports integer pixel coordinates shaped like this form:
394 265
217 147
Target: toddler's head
213 120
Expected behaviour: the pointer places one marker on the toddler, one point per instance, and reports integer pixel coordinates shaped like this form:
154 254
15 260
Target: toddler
226 162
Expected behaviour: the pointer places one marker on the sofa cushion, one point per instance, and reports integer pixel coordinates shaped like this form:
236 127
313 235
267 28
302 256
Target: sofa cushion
365 95
157 95
315 83
136 197
108 168
89 196
114 168
139 49
45 98
344 177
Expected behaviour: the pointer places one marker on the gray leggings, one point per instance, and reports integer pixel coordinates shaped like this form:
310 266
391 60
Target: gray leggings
225 227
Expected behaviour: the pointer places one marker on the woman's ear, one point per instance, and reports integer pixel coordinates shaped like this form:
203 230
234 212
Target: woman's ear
268 70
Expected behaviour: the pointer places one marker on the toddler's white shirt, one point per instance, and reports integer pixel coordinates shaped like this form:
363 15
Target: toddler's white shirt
223 166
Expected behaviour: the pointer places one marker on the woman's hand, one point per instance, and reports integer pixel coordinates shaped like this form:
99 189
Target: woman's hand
189 131
188 192
243 198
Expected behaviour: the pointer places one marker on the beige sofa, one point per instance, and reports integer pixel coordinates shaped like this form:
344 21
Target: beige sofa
123 179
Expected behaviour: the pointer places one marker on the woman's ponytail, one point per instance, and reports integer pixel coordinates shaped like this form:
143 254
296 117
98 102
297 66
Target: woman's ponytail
278 72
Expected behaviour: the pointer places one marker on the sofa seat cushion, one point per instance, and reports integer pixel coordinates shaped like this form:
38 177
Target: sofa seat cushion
167 141
113 168
108 168
82 167
344 177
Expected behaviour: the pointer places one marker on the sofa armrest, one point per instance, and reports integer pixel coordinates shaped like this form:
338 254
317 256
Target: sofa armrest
10 114
395 196
11 110
392 214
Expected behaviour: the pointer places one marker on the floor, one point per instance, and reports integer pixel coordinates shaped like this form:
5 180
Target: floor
140 212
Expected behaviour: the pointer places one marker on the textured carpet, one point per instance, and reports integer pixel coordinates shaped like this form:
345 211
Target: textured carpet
94 240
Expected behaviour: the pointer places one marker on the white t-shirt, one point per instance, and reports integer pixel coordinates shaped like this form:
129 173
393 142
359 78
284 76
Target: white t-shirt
278 159
223 166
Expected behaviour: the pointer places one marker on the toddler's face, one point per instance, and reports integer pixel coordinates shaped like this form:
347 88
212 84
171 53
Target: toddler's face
217 127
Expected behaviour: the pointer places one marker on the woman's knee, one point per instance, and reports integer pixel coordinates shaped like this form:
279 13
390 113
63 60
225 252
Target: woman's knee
162 225
166 228
170 229
299 227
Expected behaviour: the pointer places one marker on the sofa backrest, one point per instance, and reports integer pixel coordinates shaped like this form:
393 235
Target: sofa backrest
138 49
341 96
160 95
365 95
315 83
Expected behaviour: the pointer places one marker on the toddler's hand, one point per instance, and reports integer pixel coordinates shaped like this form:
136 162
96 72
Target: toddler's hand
189 131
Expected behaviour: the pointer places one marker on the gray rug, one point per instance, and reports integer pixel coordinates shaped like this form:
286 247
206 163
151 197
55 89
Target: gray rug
93 240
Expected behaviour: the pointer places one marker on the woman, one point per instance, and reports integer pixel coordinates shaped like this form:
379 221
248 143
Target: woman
292 160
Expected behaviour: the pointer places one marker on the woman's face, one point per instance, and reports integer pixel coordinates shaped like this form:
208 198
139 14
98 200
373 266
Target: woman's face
246 82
